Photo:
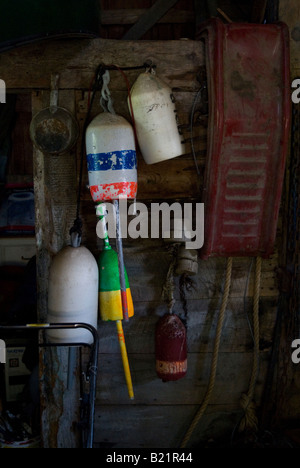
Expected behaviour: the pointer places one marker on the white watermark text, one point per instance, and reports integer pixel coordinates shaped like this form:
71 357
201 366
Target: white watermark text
2 352
173 222
2 92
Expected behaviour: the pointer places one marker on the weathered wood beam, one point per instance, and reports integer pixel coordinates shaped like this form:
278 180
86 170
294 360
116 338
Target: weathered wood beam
132 15
76 61
149 18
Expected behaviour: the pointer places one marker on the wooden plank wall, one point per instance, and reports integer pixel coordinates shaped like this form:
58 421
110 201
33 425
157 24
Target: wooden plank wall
161 412
116 20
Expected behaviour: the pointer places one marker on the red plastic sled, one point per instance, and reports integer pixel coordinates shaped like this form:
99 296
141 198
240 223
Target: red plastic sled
248 136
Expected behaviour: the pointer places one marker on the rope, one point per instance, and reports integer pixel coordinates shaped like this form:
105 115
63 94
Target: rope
76 230
185 283
169 286
249 420
212 377
106 101
199 94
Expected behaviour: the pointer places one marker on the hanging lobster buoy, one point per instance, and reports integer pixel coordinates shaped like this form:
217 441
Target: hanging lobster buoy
111 158
73 293
110 304
115 300
170 348
155 119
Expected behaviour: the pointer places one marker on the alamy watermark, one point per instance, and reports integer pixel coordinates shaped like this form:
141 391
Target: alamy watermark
175 222
2 352
2 92
296 353
296 93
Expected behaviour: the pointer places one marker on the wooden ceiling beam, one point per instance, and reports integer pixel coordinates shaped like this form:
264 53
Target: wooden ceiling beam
149 18
132 15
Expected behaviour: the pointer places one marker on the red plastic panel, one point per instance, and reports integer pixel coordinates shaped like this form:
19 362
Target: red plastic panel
248 136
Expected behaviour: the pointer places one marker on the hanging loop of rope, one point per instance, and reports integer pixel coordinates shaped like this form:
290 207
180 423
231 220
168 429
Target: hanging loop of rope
213 371
249 420
106 101
76 232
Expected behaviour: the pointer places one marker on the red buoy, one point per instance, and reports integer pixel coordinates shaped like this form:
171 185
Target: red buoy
170 348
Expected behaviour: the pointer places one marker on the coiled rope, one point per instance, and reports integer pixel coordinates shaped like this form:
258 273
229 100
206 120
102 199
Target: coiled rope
212 377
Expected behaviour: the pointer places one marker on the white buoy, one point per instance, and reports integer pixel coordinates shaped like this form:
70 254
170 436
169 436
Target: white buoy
155 119
73 294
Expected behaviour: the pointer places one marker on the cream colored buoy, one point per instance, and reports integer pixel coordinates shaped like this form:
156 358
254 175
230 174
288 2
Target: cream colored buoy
155 119
73 294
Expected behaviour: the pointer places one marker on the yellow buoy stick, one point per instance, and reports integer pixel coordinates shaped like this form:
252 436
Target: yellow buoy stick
125 358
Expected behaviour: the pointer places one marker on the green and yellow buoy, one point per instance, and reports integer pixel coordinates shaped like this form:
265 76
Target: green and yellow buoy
112 299
110 302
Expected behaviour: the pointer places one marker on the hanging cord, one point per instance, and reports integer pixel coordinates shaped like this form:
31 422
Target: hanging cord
97 86
146 66
212 376
249 420
185 284
76 230
106 101
169 287
199 94
130 102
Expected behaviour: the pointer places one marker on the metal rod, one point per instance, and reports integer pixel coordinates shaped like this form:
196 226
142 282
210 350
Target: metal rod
121 262
93 364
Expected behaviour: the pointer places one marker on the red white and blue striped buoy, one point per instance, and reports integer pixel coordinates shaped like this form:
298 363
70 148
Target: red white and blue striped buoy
111 158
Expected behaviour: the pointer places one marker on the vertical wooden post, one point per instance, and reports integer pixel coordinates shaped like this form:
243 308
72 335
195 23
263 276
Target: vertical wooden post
55 209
